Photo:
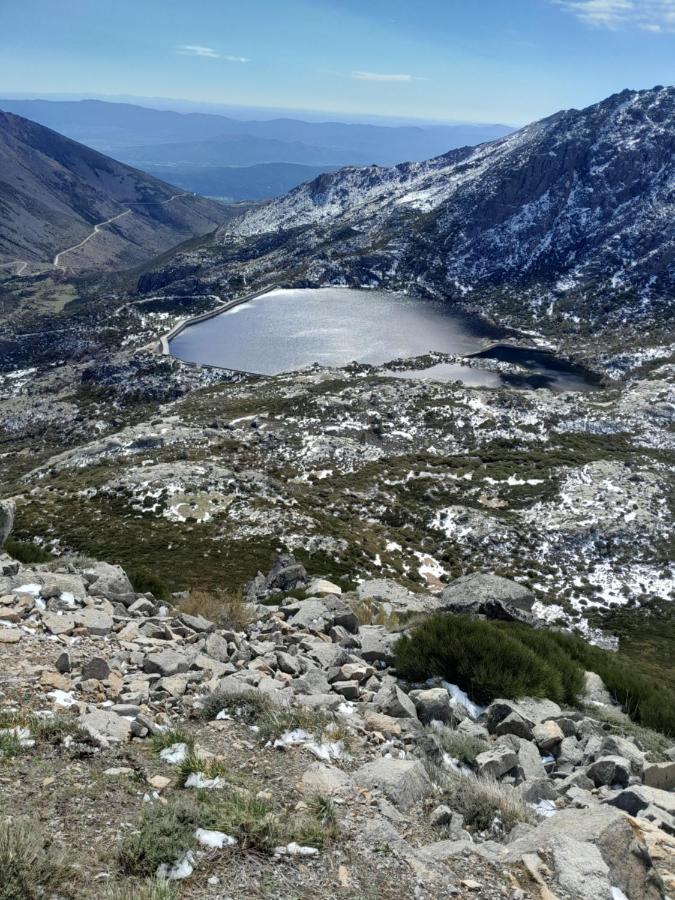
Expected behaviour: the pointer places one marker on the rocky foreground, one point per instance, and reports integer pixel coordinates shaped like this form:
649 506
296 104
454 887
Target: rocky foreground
133 729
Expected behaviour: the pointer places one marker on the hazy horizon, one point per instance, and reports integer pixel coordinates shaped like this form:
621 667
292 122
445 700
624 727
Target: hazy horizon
437 61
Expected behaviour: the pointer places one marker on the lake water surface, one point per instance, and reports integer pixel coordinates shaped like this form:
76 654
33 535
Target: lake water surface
285 330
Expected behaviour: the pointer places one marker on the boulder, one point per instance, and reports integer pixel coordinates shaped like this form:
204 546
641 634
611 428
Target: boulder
95 667
7 508
96 621
580 869
109 581
386 725
613 745
496 762
595 692
609 770
197 623
660 775
547 736
634 799
490 596
607 829
321 614
326 780
286 574
515 724
376 644
166 662
391 701
320 586
432 704
402 781
105 727
217 647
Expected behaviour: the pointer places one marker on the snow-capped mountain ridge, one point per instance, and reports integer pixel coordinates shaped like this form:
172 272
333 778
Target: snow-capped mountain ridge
583 198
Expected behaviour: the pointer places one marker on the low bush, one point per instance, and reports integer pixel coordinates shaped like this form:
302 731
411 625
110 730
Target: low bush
166 739
26 552
30 868
648 700
146 582
248 706
506 659
148 889
484 659
164 833
227 609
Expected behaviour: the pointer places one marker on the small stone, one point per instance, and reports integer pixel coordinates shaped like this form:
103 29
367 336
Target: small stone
55 681
62 664
496 762
159 782
386 725
471 885
119 771
10 636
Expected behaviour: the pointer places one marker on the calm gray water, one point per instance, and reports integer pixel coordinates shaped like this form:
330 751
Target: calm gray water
289 329
286 330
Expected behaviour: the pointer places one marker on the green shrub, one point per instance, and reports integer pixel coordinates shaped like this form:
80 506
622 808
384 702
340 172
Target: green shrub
26 552
648 700
146 582
507 659
164 833
29 867
484 659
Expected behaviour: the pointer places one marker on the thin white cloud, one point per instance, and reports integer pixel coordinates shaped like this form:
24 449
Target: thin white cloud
380 76
208 53
197 50
647 15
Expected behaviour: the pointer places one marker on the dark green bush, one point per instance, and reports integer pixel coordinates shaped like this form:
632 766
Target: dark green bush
648 700
507 659
145 581
483 658
26 552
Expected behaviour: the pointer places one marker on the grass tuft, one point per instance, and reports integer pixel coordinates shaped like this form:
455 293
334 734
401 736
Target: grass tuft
30 868
481 800
164 833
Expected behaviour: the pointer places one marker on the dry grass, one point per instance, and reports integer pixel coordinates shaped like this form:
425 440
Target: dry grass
482 800
226 608
30 868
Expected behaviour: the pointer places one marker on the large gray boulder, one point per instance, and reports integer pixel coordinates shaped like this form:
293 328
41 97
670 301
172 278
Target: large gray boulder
105 727
402 781
111 582
321 614
7 509
489 595
609 830
580 869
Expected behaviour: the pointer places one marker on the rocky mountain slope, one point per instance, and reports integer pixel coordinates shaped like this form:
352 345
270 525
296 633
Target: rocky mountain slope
54 192
569 218
280 755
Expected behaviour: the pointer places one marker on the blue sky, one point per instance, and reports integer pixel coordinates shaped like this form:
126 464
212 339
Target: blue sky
474 60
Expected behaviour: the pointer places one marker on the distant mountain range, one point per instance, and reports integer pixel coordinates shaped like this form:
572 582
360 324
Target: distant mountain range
570 219
54 192
149 138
